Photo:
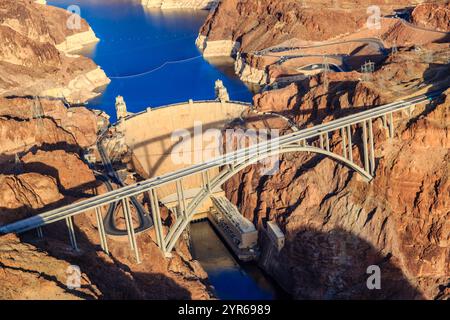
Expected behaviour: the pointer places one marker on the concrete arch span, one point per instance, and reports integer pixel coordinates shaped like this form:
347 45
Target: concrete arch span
228 173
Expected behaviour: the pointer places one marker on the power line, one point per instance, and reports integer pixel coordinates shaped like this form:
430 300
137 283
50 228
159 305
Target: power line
156 69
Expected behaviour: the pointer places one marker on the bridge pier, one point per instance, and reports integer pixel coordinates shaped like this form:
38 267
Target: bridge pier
130 228
385 124
365 148
157 220
321 141
344 143
327 141
101 231
206 181
181 198
73 239
391 125
40 233
372 148
350 146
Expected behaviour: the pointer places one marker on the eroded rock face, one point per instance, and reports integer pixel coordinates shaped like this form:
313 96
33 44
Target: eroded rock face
261 24
337 225
432 15
34 274
31 62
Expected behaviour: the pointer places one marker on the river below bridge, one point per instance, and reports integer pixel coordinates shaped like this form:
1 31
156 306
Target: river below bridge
231 280
152 60
150 55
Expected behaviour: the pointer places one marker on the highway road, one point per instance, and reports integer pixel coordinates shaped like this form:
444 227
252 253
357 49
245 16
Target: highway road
145 221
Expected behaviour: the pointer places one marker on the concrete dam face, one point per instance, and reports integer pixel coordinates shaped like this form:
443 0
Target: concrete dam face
157 134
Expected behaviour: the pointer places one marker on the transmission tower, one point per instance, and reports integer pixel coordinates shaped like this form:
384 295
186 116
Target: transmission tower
394 50
367 69
37 111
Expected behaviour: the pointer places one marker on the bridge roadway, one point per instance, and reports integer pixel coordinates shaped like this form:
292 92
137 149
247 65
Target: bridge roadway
237 158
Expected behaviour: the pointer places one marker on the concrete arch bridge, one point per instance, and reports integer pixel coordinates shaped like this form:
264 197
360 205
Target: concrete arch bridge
213 173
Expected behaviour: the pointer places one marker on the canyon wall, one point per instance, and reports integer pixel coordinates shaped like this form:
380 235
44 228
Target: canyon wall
34 56
42 167
337 225
246 29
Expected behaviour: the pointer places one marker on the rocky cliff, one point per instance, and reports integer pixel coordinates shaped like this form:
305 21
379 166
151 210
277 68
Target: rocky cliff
432 16
42 142
336 225
264 35
33 57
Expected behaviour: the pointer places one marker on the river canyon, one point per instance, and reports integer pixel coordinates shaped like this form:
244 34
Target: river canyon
66 136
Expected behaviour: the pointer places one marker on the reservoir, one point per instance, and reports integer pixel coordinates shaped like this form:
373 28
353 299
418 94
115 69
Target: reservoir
150 55
152 60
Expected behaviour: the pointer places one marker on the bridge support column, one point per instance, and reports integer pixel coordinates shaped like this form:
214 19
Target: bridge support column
321 141
157 220
385 125
206 181
365 148
73 239
350 146
391 125
327 141
101 231
181 197
130 229
40 233
372 148
303 143
344 143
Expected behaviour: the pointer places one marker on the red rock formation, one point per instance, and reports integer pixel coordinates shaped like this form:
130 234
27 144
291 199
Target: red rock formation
33 274
337 225
432 15
30 61
41 141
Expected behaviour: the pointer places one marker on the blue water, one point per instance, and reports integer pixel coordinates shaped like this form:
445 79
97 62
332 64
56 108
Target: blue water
230 279
138 41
